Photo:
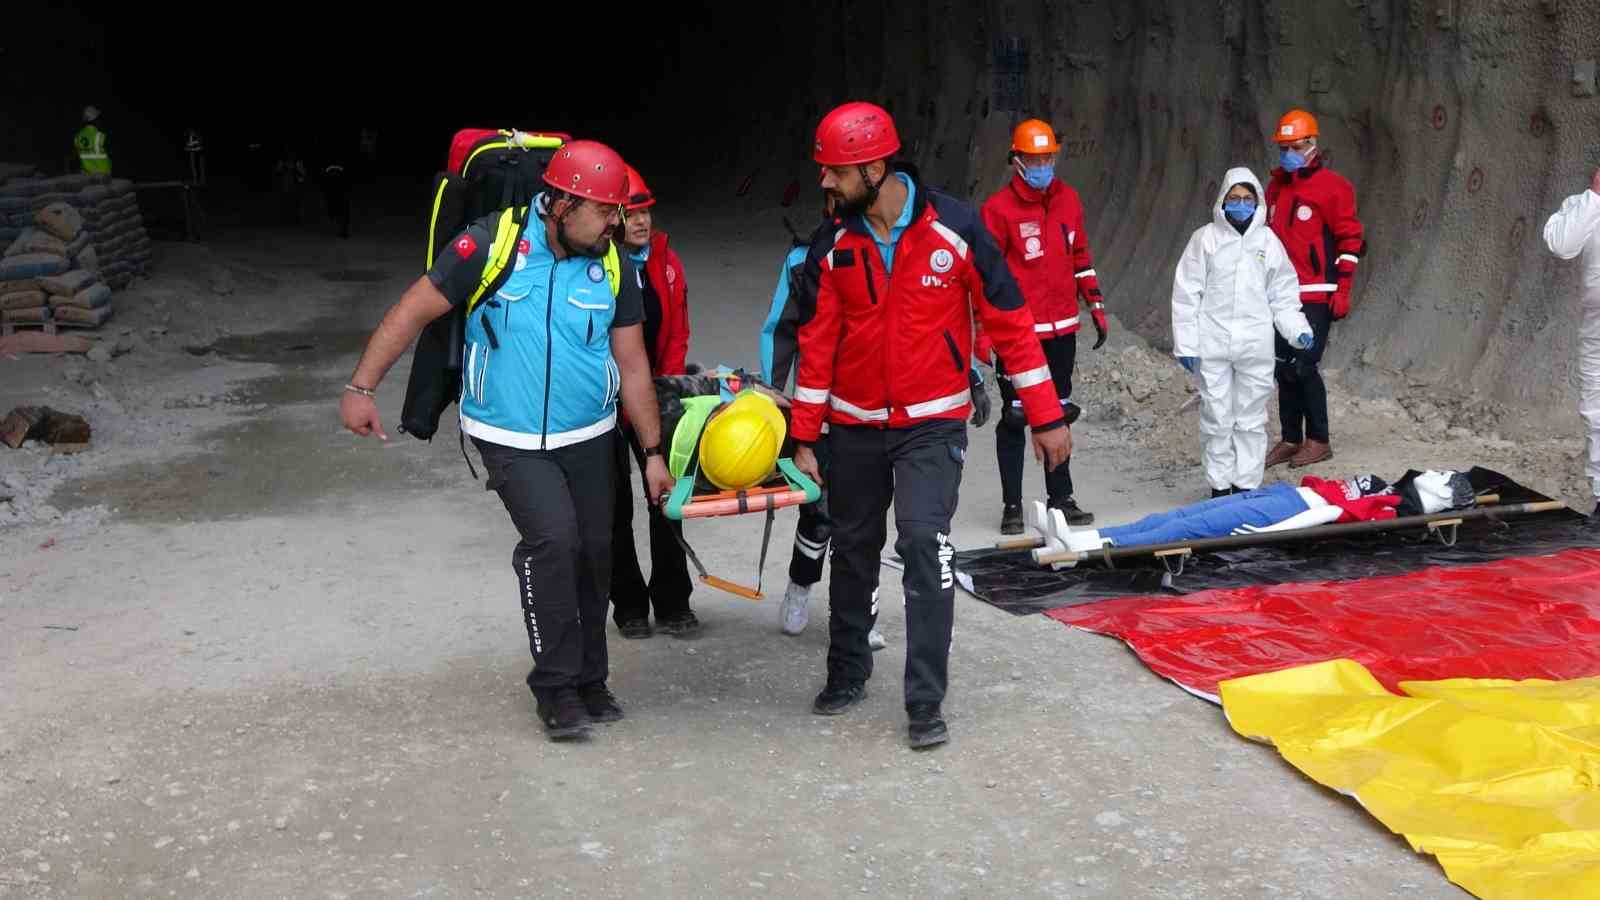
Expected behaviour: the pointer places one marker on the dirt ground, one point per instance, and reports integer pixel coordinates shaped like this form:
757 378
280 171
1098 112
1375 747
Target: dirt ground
245 654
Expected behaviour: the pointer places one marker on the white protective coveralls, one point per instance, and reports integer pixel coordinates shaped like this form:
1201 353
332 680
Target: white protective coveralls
1574 230
1229 292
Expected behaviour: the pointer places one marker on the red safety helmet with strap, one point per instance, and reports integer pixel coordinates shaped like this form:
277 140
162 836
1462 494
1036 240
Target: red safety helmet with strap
855 134
591 170
639 195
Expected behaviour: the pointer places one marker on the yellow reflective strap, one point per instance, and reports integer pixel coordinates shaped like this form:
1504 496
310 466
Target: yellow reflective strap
433 222
506 236
613 265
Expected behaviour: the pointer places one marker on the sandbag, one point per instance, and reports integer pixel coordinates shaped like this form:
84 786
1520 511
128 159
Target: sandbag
14 204
77 315
78 245
121 186
9 233
20 219
88 260
37 314
95 195
67 283
35 241
61 220
31 265
92 297
16 171
30 299
26 187
44 200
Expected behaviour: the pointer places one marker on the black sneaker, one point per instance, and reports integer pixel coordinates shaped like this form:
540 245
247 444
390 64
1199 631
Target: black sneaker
1069 508
600 703
563 713
678 626
1594 518
635 629
839 696
1225 492
1011 519
927 726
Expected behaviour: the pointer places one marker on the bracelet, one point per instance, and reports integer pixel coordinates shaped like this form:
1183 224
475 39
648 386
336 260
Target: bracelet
365 392
652 451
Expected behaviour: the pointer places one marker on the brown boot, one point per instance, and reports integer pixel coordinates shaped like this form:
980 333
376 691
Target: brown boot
1311 452
1282 453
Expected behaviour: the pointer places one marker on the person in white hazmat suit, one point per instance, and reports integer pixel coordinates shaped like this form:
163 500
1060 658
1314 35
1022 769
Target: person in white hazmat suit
1234 284
1575 230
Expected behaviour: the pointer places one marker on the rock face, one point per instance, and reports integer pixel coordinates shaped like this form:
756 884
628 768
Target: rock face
1462 125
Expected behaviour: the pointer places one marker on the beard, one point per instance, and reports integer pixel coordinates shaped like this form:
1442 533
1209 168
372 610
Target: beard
843 206
574 248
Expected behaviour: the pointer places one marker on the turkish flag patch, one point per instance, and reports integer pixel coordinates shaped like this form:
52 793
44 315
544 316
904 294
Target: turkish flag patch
466 246
524 246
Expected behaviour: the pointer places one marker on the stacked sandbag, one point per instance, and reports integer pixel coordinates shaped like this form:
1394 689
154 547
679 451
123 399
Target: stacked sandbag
111 213
49 272
116 242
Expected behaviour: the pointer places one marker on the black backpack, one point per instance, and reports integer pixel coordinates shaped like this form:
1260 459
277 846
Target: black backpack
487 170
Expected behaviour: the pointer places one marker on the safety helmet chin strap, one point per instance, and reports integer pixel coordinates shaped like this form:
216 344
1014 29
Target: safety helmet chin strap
872 189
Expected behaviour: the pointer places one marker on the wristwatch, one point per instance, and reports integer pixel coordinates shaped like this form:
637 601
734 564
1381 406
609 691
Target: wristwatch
652 451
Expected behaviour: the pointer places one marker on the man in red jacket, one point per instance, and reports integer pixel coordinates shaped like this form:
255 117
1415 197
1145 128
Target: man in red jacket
886 304
666 340
1312 210
1038 223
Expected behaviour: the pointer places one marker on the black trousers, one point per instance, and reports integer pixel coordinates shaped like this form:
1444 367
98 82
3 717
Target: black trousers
1011 433
867 465
1302 395
560 502
814 531
669 586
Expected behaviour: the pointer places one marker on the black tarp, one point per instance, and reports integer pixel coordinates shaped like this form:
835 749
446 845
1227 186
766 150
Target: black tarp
1011 581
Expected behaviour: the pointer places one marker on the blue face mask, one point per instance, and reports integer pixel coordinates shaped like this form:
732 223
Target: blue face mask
1292 161
1239 211
1038 177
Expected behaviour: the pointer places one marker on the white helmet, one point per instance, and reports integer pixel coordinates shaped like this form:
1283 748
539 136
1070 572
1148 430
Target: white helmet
90 113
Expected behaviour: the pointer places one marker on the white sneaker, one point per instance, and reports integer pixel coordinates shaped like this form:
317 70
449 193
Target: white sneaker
795 610
875 640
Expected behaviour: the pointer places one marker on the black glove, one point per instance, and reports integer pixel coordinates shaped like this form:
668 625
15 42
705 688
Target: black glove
1098 316
981 407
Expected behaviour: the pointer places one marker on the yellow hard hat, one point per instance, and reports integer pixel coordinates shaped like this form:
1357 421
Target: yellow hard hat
739 447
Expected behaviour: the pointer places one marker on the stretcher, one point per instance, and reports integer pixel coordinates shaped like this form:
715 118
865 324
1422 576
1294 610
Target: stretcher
1048 550
788 487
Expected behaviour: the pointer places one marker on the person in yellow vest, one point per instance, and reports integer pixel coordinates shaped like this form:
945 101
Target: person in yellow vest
90 142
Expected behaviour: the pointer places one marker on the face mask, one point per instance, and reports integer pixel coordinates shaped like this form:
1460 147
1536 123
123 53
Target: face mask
1239 211
1293 161
1038 177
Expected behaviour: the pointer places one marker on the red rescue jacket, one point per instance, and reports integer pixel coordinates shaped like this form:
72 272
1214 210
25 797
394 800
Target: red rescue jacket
892 350
1313 212
1046 247
665 271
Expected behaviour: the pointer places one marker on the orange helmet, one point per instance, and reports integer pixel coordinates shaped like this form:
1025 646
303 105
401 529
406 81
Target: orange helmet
639 195
1034 136
1296 125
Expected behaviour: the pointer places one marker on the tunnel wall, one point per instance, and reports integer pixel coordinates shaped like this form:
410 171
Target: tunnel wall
1457 121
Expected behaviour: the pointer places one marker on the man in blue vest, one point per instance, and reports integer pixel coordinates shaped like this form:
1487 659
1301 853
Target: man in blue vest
547 358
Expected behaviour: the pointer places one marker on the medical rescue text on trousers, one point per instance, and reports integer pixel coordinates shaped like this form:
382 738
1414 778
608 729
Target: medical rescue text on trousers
1312 210
886 305
546 359
1038 222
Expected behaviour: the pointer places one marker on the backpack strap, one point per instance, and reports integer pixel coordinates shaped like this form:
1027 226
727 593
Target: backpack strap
507 232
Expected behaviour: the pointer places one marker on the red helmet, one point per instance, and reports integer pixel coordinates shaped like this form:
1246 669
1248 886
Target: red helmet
639 195
591 170
855 133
